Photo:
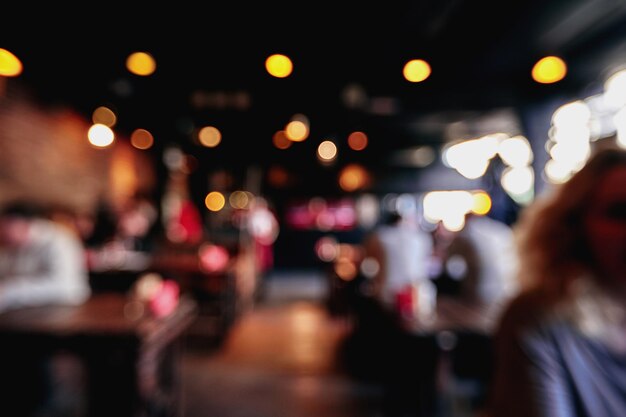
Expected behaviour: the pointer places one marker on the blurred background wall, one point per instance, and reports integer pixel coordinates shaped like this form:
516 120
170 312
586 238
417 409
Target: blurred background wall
44 156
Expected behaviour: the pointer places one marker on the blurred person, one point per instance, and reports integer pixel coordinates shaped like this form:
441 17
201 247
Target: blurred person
405 364
561 342
482 258
41 261
479 267
446 283
262 224
402 251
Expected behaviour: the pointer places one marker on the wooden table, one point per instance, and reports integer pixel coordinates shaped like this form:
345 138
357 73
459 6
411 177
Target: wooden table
131 360
217 293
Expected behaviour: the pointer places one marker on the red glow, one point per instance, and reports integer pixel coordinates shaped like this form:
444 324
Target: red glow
335 215
213 258
165 300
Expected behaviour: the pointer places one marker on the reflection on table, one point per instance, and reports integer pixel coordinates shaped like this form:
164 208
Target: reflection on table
220 277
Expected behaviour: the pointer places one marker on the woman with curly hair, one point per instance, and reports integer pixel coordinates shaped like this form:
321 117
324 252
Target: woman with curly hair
560 348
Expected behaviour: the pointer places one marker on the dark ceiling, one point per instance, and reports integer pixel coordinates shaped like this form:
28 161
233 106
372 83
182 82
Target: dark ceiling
481 53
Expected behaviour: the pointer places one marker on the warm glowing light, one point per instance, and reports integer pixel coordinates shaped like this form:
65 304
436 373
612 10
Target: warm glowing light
549 70
141 139
346 269
416 70
10 65
215 201
100 135
141 63
209 136
279 66
357 141
449 207
297 131
147 286
348 251
280 140
326 248
327 151
353 177
239 199
482 203
104 116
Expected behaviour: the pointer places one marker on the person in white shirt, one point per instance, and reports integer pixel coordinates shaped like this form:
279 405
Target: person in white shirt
483 255
400 290
402 251
41 262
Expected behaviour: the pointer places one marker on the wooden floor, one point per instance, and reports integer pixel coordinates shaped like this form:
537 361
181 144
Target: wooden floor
293 355
286 357
279 359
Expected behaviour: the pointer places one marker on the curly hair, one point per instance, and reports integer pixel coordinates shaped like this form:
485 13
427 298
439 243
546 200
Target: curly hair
551 243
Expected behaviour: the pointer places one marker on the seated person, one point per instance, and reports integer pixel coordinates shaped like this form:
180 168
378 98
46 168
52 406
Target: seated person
41 262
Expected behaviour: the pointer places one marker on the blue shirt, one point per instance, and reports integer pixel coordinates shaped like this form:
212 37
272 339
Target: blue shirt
547 366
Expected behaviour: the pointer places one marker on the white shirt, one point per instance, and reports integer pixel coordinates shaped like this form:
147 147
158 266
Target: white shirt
407 253
497 255
49 269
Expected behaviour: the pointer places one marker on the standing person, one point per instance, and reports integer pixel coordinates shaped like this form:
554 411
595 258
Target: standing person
483 258
481 262
41 262
561 342
402 251
405 364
